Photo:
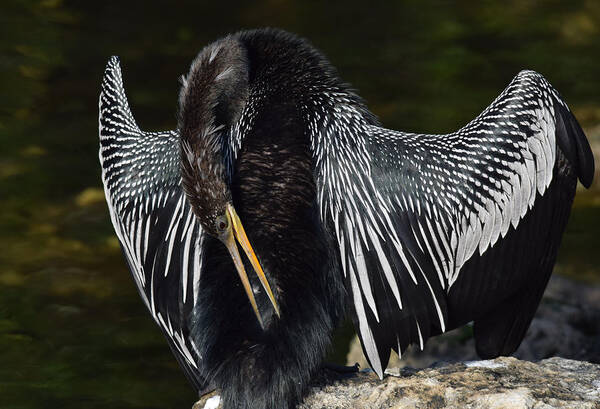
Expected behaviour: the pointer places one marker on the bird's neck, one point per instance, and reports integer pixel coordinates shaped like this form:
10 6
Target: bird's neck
212 98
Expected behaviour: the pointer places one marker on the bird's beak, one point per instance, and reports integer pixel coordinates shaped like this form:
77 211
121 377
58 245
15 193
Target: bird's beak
237 230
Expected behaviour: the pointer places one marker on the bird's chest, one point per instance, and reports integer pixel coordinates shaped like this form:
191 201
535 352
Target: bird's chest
273 191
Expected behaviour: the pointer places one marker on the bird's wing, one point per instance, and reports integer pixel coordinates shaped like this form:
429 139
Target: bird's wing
159 235
416 208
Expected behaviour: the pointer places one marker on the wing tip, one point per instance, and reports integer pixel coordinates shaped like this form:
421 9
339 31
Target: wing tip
112 97
112 82
569 135
112 72
574 144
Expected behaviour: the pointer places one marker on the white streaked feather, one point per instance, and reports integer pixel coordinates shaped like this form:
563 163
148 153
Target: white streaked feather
361 268
488 225
497 225
507 208
363 325
385 265
196 268
436 303
540 162
472 237
186 258
175 219
170 246
421 343
516 199
146 234
460 251
434 256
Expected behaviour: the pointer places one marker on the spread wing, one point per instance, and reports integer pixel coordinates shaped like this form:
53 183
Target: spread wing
409 211
159 236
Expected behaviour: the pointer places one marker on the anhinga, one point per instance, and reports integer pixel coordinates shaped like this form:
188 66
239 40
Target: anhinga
415 234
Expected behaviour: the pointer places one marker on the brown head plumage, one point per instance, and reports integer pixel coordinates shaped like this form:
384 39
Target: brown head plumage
211 100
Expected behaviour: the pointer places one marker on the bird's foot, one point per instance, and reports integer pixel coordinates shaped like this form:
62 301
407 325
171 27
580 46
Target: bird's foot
342 369
209 400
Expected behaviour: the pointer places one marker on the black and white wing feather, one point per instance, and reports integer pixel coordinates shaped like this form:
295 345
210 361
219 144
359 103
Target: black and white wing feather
409 211
159 235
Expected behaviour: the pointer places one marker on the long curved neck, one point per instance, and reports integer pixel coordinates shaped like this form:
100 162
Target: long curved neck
211 99
213 95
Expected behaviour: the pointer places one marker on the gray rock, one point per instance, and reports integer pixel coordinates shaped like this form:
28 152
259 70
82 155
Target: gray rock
500 383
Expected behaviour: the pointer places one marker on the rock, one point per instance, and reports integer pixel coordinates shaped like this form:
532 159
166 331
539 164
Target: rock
500 383
567 324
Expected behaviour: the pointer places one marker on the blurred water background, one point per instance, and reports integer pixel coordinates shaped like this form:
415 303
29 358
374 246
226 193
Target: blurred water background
73 331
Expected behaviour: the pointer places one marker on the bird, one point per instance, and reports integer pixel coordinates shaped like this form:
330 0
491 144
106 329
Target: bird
411 235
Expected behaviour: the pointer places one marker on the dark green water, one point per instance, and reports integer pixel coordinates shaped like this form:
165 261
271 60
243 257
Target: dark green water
73 332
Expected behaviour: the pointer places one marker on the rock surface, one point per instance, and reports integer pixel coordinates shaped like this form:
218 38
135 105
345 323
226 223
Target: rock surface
499 383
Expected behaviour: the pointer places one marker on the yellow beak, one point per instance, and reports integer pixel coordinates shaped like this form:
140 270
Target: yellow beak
237 230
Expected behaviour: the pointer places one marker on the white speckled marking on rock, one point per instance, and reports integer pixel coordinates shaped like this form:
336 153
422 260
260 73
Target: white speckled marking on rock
213 403
489 363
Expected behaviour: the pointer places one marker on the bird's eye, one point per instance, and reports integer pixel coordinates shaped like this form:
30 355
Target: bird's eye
222 223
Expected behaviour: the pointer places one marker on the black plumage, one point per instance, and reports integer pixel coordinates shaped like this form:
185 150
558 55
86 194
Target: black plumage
273 191
417 234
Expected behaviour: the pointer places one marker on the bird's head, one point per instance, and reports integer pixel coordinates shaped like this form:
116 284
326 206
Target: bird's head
211 101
